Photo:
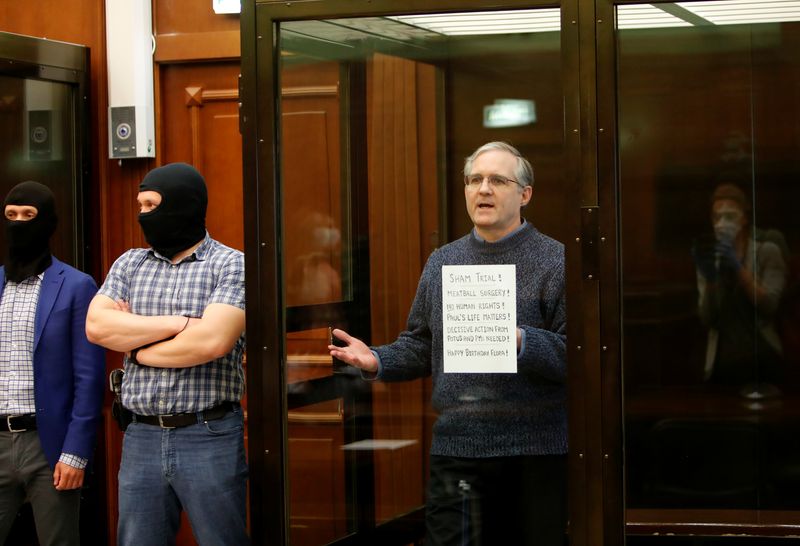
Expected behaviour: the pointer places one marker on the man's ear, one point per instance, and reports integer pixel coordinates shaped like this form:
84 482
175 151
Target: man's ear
527 193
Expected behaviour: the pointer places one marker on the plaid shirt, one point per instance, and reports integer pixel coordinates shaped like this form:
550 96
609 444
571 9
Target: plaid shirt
17 320
17 327
153 285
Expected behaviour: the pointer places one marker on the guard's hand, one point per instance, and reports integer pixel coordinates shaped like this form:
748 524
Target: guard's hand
355 352
728 260
122 305
67 477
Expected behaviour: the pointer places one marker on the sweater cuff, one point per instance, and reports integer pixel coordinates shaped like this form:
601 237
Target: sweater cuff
372 376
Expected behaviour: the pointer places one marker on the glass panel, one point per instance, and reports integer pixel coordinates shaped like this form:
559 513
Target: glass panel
378 116
36 143
315 205
316 464
709 158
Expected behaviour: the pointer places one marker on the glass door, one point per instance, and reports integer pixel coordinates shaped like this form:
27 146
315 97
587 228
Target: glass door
41 129
370 113
707 144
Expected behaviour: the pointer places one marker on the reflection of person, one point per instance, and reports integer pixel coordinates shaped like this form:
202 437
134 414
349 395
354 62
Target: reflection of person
741 274
51 377
177 309
499 443
312 278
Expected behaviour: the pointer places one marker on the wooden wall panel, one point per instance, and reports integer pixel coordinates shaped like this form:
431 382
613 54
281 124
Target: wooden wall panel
187 30
311 173
224 171
399 166
316 466
312 211
394 207
191 16
200 126
310 195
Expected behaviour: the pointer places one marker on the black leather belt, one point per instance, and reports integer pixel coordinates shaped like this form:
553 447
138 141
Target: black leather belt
18 423
177 420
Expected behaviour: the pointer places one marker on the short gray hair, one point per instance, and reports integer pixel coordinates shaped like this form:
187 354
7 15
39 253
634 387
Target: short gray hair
523 172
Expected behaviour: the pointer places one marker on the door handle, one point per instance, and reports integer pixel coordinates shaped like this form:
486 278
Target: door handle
590 244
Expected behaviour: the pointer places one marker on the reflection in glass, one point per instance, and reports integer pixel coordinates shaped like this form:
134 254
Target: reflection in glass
316 218
317 467
315 272
307 355
36 143
377 115
708 160
741 275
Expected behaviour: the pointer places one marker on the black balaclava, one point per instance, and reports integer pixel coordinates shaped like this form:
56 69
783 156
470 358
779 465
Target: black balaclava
179 222
28 241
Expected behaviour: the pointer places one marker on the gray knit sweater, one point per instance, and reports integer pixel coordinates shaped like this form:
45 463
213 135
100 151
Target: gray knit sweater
493 415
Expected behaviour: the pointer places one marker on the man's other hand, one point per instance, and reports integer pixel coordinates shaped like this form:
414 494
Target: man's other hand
728 260
67 477
355 352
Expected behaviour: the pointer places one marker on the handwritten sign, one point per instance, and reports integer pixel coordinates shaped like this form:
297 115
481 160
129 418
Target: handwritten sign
479 310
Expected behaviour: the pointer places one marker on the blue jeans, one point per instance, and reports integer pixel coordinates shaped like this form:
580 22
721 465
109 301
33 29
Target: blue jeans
201 468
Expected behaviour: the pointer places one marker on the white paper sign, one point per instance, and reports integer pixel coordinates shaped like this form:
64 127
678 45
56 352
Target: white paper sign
479 310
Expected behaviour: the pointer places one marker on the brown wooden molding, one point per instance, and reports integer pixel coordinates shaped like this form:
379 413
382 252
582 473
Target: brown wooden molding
197 150
309 360
310 91
197 96
316 417
194 100
220 95
194 96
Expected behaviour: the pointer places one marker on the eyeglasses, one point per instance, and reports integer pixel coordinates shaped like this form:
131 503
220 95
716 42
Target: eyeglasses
474 181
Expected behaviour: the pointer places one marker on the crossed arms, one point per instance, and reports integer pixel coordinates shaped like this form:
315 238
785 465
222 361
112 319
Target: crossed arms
168 341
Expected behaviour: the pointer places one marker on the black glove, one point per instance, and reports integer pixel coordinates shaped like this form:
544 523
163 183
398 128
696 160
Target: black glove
728 260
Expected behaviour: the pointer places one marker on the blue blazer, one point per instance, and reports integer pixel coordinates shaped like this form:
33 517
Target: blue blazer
68 371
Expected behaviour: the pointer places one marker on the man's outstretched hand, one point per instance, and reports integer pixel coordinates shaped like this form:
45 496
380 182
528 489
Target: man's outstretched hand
355 352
